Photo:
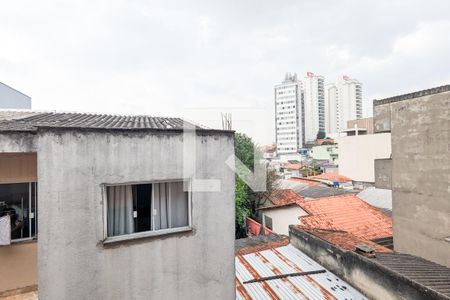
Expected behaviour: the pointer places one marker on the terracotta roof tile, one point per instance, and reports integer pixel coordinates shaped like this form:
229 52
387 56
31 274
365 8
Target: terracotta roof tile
293 166
347 213
305 181
279 198
331 177
343 239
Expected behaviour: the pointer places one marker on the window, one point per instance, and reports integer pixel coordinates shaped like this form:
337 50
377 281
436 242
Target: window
19 201
268 222
146 209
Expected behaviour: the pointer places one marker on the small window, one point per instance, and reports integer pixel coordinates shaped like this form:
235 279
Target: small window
19 202
152 207
268 222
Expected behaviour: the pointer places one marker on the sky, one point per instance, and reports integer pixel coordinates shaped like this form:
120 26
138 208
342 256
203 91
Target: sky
196 59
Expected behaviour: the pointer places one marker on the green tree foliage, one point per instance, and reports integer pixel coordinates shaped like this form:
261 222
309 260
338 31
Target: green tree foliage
248 201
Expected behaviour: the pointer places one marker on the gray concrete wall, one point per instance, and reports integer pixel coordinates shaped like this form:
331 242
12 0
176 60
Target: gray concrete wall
383 173
73 262
369 277
13 99
420 129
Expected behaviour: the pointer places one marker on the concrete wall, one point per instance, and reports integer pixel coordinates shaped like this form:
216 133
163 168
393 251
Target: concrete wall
383 173
283 217
369 277
74 263
357 154
13 99
18 266
420 130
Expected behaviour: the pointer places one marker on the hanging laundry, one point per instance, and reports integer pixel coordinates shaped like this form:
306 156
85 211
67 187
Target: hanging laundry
5 230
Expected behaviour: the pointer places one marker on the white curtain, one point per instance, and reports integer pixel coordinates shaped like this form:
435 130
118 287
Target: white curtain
171 205
120 210
5 230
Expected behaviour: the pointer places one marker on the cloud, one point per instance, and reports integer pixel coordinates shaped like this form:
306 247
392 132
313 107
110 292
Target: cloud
171 57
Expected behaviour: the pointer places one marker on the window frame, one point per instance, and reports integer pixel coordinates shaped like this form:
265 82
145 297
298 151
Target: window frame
35 212
150 233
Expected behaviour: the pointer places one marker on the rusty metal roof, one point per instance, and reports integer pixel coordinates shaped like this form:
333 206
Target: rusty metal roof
90 121
287 260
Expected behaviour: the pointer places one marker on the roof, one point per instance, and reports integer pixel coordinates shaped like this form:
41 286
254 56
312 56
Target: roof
259 243
346 213
287 260
343 239
331 177
280 198
291 166
90 121
308 182
380 198
418 270
428 92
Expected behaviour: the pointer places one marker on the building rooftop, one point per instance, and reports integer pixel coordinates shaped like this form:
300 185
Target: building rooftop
288 265
27 122
308 182
347 213
331 177
310 189
280 198
380 198
436 90
343 239
293 166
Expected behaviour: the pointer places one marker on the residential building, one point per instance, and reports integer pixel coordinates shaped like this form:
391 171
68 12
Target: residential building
289 115
314 98
343 102
418 170
119 213
13 99
325 153
281 209
331 108
268 267
358 150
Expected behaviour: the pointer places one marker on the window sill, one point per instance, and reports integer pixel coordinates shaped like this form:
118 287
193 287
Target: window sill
146 234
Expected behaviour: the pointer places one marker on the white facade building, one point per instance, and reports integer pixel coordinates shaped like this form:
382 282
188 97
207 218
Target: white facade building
289 115
314 99
13 99
343 102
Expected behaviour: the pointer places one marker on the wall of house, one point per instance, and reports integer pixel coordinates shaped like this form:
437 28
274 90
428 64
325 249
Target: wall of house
325 152
73 261
420 131
18 266
18 261
357 155
282 217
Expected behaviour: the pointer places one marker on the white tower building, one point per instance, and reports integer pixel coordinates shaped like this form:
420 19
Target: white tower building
314 98
289 115
343 102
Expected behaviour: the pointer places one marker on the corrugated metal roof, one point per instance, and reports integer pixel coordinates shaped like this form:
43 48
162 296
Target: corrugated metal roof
285 260
91 121
380 198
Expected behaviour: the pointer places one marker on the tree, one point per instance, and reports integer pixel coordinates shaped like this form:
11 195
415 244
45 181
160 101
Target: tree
247 201
321 135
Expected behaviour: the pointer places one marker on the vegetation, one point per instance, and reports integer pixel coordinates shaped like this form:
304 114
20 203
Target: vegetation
247 201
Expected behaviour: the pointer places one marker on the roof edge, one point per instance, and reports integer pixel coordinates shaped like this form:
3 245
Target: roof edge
417 94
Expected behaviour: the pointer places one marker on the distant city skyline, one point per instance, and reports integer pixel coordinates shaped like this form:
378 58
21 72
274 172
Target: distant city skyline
196 60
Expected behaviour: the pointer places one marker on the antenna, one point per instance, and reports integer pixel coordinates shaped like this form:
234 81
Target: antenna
226 121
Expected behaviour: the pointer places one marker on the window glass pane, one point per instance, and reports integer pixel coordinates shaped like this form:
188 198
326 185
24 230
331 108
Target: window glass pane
120 210
143 207
33 216
14 201
178 205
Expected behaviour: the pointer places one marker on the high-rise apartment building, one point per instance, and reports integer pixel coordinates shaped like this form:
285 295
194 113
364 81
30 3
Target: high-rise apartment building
343 102
289 115
314 98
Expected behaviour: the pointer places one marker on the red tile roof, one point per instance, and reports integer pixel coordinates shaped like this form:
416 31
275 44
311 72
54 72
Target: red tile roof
279 198
293 166
321 141
343 239
305 181
347 213
331 177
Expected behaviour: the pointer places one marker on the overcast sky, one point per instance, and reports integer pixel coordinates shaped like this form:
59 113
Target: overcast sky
195 59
